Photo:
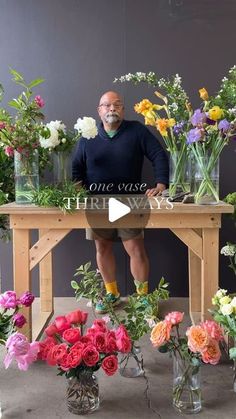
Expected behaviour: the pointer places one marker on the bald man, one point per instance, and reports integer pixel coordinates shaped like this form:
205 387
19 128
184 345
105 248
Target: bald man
115 156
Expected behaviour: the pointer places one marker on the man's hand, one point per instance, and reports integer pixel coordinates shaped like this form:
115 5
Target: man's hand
160 187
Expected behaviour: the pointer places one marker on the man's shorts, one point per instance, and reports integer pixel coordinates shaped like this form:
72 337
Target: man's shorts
114 234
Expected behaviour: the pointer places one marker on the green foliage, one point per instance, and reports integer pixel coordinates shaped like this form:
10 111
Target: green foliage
231 199
22 129
226 97
232 353
137 312
89 285
56 196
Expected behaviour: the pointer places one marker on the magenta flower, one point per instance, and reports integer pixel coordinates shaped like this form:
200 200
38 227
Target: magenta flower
8 300
19 320
2 125
39 101
21 350
26 299
9 151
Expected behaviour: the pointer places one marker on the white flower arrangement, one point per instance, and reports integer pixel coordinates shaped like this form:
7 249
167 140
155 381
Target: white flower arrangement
86 127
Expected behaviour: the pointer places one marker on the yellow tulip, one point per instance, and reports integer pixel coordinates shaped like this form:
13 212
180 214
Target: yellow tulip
203 94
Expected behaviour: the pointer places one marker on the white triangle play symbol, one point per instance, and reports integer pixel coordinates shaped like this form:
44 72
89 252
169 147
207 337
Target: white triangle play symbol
116 209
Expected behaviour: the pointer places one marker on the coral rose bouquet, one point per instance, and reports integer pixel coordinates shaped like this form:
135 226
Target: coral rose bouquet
199 345
17 345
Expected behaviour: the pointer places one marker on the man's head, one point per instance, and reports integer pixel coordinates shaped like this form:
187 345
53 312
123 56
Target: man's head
111 110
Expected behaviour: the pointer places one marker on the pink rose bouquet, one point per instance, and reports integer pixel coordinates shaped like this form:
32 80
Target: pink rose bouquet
73 350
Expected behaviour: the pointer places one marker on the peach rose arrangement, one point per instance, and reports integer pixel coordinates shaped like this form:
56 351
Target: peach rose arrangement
200 344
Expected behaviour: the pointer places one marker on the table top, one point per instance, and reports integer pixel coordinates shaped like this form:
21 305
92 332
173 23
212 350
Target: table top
178 208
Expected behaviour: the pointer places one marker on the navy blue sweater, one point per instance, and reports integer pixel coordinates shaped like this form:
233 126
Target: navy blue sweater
116 160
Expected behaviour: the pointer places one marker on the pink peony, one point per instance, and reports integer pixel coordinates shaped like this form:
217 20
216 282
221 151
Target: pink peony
19 320
39 101
27 299
8 300
121 332
175 317
21 350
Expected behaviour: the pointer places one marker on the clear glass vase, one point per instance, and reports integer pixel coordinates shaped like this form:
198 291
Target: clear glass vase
62 167
180 173
186 386
26 169
131 363
206 184
83 393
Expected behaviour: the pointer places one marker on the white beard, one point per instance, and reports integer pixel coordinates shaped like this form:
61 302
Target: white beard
112 118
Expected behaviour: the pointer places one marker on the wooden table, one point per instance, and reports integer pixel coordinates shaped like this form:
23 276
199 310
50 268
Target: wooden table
196 225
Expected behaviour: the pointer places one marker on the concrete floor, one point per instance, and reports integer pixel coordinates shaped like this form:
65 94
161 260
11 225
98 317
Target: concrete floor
39 393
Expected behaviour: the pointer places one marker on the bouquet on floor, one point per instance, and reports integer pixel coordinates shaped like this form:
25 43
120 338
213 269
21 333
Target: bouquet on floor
73 349
17 344
200 344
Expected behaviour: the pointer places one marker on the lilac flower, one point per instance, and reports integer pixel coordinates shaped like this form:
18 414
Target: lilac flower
19 320
194 135
8 300
27 299
21 350
198 118
178 128
224 125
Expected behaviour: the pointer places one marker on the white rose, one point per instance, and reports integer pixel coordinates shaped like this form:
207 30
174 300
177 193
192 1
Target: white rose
56 125
86 127
228 250
226 309
233 302
220 293
52 141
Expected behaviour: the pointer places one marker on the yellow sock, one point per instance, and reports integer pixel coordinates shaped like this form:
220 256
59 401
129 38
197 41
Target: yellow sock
141 287
112 288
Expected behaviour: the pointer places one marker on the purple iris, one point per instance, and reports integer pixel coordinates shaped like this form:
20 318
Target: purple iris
194 135
178 128
198 118
224 125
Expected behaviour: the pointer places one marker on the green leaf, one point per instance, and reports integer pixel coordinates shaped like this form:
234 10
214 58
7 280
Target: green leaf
14 104
74 285
35 82
16 74
232 353
163 349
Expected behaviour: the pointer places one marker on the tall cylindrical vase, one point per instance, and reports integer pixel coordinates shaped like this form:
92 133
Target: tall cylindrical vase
62 167
180 173
83 393
186 386
131 363
206 183
26 169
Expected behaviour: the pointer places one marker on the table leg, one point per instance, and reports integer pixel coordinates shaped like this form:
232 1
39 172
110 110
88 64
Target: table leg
45 281
210 269
194 264
21 272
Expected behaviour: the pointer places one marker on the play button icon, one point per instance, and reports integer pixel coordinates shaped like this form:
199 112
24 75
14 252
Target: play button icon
116 210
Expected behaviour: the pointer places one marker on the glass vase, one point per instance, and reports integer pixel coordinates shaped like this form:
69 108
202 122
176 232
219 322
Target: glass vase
83 393
131 363
26 170
186 386
180 172
206 184
62 167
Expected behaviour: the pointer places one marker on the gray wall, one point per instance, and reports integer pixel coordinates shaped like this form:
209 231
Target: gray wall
79 47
